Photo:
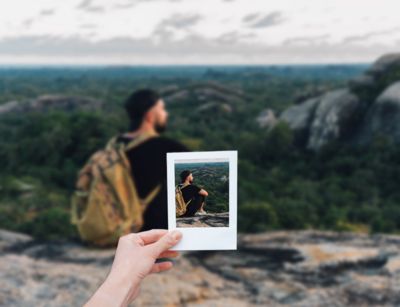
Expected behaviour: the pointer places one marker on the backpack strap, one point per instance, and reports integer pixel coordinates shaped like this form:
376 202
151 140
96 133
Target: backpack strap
179 187
112 143
141 138
148 199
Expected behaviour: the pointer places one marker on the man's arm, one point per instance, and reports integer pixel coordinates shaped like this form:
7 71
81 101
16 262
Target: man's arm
203 192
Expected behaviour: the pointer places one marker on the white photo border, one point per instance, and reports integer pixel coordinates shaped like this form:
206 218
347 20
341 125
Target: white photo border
204 238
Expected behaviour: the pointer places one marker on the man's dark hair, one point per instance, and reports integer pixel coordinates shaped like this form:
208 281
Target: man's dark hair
138 103
184 175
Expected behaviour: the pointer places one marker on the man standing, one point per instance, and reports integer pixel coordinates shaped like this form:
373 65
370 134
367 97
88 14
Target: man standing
192 193
147 115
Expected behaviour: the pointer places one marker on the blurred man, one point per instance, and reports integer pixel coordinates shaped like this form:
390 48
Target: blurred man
147 114
192 193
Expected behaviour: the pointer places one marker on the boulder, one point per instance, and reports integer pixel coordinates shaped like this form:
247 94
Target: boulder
299 116
332 117
266 119
383 117
384 64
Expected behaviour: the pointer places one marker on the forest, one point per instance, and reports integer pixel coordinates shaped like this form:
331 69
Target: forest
280 186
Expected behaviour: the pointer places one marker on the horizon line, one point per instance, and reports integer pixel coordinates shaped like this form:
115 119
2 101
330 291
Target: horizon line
72 65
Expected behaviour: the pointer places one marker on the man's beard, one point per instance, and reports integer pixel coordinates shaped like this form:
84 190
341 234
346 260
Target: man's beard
190 181
160 128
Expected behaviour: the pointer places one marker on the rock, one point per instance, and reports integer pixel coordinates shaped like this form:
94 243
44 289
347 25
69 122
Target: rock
266 119
383 117
299 119
215 108
384 64
362 81
295 268
205 95
379 76
51 102
309 92
9 107
208 220
368 107
332 117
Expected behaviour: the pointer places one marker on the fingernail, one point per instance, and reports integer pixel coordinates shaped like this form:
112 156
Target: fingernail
176 234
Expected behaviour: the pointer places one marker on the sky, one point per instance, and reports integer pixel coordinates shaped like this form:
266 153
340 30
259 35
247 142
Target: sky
193 32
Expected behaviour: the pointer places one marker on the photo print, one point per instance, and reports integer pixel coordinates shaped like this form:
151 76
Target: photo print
202 198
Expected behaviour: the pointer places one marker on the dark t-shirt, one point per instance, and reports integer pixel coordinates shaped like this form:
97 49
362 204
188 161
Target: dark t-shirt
149 168
190 191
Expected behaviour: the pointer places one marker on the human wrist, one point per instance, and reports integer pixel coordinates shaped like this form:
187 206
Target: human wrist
114 292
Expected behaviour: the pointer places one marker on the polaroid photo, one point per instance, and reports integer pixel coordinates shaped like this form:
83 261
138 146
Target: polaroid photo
202 199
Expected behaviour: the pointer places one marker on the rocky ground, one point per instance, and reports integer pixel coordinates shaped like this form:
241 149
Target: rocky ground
208 220
305 268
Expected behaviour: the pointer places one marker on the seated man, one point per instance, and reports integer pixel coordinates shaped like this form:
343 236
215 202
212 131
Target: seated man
193 193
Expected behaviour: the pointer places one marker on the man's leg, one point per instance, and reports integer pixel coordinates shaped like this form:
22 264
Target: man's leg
194 206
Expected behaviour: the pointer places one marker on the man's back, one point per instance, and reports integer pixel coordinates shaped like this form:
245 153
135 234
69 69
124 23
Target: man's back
189 191
149 168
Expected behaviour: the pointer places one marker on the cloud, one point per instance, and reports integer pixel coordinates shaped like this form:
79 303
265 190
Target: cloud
306 40
88 26
79 46
251 17
87 5
179 21
84 4
132 3
234 37
366 36
46 12
258 21
28 22
191 49
167 29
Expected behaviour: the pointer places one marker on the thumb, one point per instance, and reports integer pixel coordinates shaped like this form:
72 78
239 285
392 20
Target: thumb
167 241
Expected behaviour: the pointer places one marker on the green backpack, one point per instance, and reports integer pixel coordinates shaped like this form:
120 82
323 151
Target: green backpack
106 204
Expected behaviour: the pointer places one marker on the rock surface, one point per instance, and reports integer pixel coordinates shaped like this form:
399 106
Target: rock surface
199 93
51 102
208 220
332 117
367 108
383 117
304 268
266 119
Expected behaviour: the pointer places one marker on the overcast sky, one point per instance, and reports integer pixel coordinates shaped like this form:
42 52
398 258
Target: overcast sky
197 32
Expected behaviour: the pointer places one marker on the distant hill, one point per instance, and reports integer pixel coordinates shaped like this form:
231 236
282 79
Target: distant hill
51 102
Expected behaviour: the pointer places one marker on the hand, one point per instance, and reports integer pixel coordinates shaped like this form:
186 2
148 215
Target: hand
134 259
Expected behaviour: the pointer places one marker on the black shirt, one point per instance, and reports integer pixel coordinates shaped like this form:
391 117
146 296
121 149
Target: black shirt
190 191
149 168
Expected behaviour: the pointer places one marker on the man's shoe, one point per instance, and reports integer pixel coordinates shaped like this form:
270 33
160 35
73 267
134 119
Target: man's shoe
201 213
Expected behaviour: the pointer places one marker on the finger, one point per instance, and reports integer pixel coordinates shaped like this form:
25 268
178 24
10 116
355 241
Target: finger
165 243
169 254
151 236
161 266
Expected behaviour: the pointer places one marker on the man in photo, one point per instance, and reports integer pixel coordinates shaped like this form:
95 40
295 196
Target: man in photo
192 194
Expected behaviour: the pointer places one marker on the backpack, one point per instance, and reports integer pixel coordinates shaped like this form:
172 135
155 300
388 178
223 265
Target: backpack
106 204
181 205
